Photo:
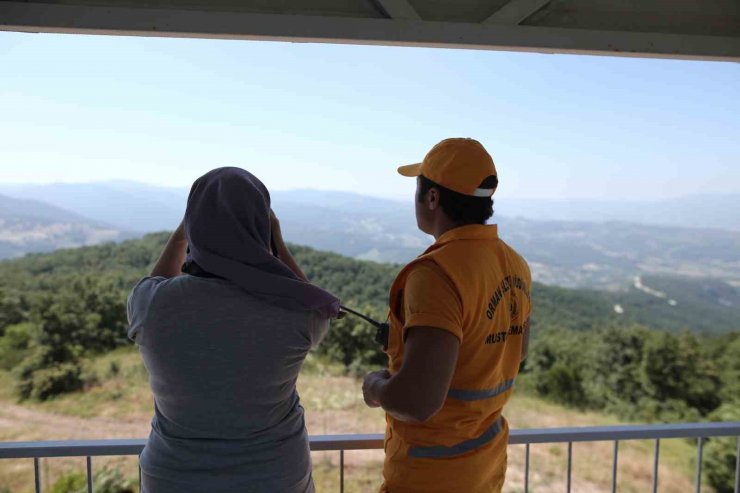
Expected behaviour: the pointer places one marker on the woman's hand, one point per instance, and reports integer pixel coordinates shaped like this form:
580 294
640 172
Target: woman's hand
282 250
277 234
173 256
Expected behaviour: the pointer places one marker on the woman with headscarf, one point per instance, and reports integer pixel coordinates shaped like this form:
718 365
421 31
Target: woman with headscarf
223 323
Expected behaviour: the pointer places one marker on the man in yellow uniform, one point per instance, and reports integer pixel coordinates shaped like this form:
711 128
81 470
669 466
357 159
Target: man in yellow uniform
459 320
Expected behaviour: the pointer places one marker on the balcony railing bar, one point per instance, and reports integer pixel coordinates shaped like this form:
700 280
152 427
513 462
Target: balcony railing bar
82 448
526 437
621 433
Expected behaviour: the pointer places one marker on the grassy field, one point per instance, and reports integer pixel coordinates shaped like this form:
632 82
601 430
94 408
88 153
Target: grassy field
118 404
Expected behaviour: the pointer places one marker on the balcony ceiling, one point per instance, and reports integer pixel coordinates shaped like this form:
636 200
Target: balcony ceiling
692 29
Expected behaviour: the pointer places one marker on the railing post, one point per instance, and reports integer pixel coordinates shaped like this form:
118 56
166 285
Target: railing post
36 474
656 461
89 475
699 454
614 466
526 467
570 466
737 467
341 471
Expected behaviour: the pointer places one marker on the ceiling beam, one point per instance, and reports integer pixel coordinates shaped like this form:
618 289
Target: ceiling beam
515 12
398 9
54 18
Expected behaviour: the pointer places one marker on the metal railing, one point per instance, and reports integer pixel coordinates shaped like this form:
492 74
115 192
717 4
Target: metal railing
342 443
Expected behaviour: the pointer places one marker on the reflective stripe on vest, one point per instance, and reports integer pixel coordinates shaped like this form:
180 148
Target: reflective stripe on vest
476 395
440 451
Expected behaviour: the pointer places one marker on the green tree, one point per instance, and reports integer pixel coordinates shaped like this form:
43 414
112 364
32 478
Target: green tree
14 345
11 309
729 363
105 480
53 366
553 366
676 368
351 341
720 454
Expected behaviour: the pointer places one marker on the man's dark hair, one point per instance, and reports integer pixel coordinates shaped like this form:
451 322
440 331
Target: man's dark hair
461 209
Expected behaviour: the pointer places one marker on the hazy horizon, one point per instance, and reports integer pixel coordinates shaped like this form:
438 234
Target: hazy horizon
368 193
102 200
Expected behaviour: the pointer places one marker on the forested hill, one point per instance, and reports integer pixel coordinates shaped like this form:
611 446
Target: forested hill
58 310
116 267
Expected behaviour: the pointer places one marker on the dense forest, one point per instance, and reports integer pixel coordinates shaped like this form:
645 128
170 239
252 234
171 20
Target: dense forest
56 309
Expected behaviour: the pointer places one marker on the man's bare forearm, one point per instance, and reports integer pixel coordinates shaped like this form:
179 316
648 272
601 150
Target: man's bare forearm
400 398
397 401
418 391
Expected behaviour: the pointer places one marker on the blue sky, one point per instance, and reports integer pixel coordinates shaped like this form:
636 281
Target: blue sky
162 111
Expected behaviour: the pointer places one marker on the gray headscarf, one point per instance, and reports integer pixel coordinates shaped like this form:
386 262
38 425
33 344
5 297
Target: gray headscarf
227 224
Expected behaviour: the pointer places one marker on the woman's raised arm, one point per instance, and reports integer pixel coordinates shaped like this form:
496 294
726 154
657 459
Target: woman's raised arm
173 256
282 250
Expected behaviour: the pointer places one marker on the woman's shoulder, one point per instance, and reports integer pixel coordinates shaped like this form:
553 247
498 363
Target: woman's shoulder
187 292
139 302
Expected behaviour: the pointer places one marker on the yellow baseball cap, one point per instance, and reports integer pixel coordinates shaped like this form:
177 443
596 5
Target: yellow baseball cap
458 164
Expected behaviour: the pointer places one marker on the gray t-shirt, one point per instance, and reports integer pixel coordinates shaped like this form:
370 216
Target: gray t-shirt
222 367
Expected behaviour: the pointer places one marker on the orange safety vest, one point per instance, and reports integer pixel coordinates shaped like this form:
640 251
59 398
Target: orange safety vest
463 447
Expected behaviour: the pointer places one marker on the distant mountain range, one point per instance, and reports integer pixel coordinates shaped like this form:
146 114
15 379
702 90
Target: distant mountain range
33 226
601 254
721 211
129 206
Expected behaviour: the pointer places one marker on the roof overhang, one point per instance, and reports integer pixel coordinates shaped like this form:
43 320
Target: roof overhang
706 30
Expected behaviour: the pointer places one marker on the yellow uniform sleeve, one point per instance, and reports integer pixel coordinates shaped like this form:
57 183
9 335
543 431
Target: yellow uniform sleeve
431 300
